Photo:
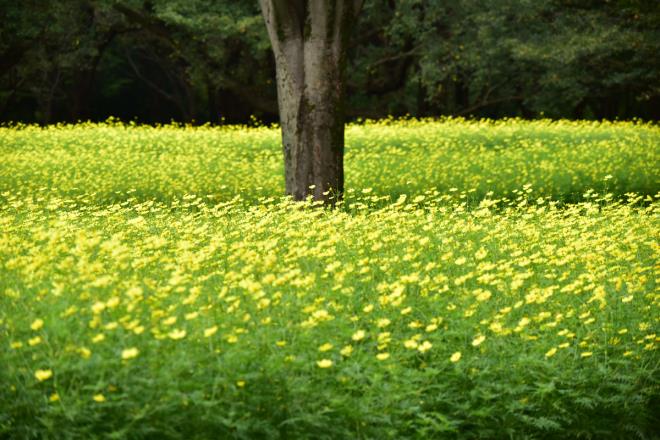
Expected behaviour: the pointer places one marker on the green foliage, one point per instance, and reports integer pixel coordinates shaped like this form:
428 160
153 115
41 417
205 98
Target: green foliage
154 285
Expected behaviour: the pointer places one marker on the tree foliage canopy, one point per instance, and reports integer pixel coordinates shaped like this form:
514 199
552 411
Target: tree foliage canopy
205 60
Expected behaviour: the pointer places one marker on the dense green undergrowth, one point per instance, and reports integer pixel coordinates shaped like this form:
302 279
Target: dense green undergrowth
153 284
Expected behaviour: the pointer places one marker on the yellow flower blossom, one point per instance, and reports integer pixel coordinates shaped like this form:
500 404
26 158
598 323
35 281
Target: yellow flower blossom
129 353
410 344
383 322
424 347
358 335
177 334
210 331
346 351
478 340
42 375
34 341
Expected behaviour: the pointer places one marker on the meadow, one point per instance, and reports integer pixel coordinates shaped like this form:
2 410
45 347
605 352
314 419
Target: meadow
482 279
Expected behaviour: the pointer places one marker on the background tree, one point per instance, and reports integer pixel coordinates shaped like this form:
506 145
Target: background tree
202 60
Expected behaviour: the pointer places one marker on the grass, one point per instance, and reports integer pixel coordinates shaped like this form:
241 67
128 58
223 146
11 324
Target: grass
153 284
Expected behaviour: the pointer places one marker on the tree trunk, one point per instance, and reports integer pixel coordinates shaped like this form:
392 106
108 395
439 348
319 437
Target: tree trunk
309 39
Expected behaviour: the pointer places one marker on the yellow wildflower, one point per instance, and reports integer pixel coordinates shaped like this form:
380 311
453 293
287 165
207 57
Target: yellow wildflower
129 353
383 322
358 335
34 341
410 344
210 331
42 375
478 340
177 334
346 351
424 347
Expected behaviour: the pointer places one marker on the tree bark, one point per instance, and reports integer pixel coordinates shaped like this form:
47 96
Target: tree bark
309 39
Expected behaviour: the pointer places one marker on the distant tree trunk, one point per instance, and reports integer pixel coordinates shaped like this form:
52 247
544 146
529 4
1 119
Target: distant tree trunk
309 39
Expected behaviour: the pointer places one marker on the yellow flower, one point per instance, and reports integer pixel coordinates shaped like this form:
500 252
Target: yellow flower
16 345
551 352
34 341
368 308
210 331
484 295
37 324
585 354
98 338
346 351
177 334
54 397
280 343
240 383
325 347
478 340
455 357
384 322
42 375
129 353
382 356
410 344
98 307
358 335
431 327
424 347
100 398
85 352
324 363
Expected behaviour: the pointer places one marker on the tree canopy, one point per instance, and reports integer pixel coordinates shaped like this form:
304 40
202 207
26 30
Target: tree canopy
202 60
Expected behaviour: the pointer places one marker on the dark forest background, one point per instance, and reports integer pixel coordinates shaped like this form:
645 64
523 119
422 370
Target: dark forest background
210 60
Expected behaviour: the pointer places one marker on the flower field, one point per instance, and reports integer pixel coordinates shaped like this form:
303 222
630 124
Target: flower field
481 280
